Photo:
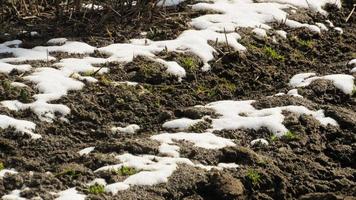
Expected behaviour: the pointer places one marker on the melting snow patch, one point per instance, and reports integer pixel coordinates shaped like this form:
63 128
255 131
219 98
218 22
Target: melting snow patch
338 29
7 68
341 81
57 41
99 181
353 63
203 140
154 170
282 33
20 125
260 33
70 194
7 171
181 124
14 195
86 151
259 141
242 115
130 129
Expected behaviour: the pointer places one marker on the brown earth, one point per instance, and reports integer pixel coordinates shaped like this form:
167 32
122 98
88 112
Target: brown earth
318 163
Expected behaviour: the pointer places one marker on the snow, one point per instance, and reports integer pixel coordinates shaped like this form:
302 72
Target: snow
181 124
130 129
282 33
343 82
14 195
7 68
204 140
338 29
294 92
228 165
259 33
353 63
315 5
70 194
169 2
259 141
57 41
86 151
71 47
21 126
98 181
153 170
18 84
271 118
173 68
322 26
7 171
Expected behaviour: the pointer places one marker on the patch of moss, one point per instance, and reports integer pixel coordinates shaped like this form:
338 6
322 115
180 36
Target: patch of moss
24 95
96 189
126 171
6 84
305 43
199 127
253 176
2 166
104 80
274 138
188 63
289 135
273 54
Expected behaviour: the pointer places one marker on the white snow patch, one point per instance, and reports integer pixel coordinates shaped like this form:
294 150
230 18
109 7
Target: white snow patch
7 171
343 82
57 41
97 181
22 126
294 92
259 141
260 33
181 124
322 26
169 2
18 84
7 68
70 194
338 29
14 195
130 129
86 151
242 115
204 140
282 33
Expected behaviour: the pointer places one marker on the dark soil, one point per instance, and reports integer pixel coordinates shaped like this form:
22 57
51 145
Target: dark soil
319 163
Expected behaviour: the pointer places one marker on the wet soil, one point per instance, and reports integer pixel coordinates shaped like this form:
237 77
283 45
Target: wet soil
318 163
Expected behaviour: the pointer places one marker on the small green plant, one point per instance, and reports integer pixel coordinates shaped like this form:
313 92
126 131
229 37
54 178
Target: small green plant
96 189
6 85
126 171
273 54
305 43
24 96
2 166
274 138
289 135
253 176
188 63
69 172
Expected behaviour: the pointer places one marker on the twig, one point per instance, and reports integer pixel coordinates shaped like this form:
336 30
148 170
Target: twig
352 11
